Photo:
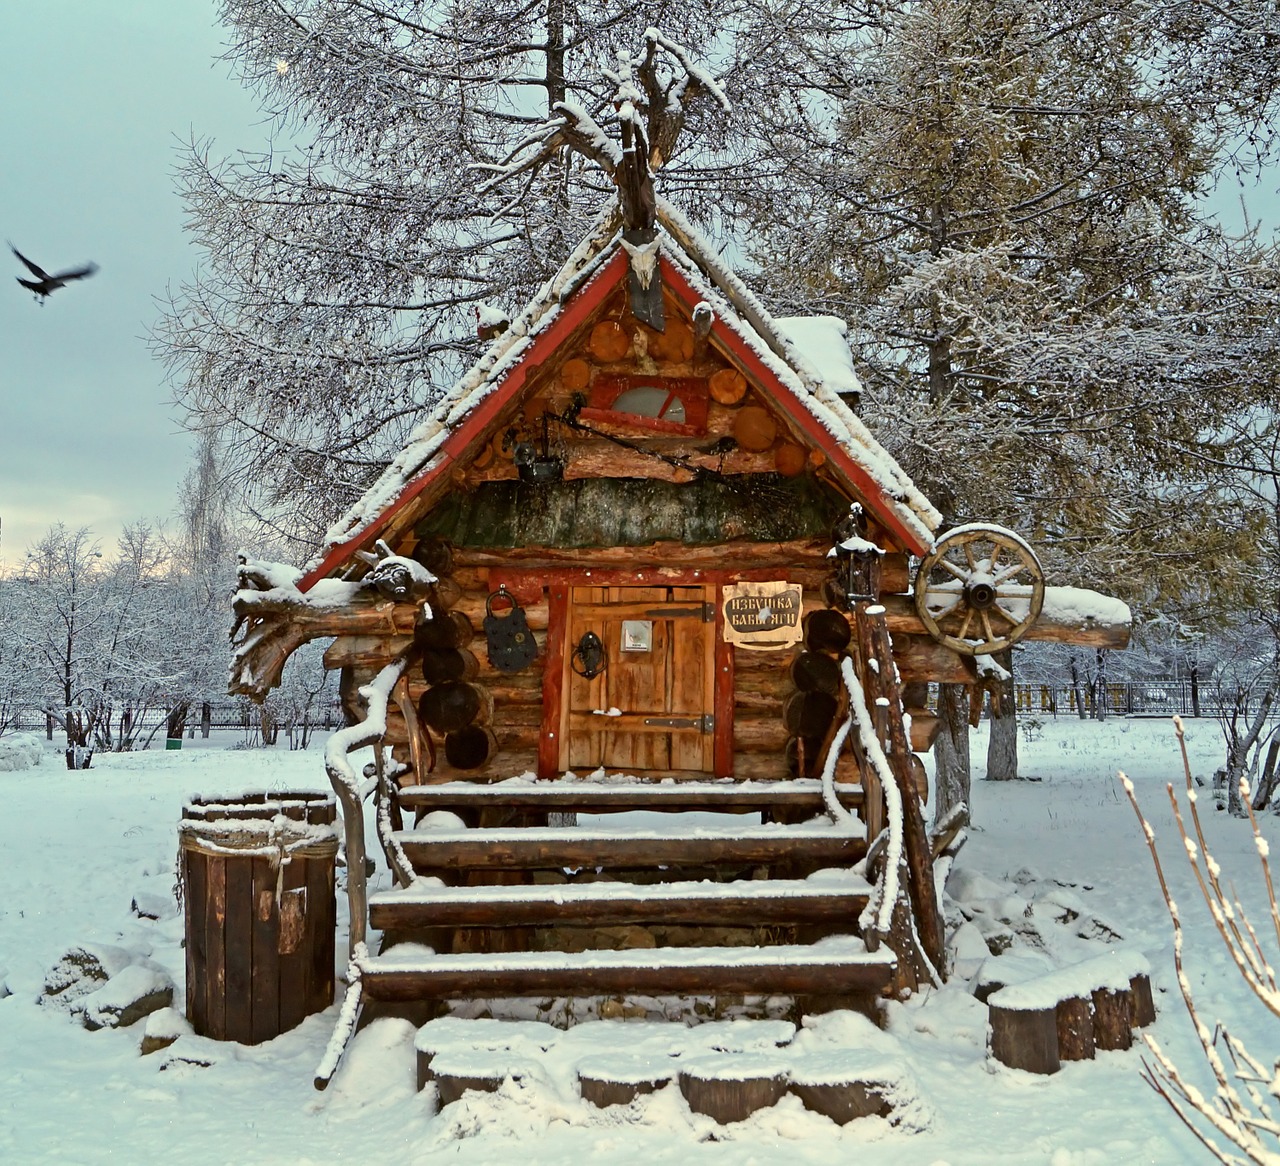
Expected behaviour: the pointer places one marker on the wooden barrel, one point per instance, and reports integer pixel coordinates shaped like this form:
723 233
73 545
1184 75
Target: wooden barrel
826 631
454 705
809 714
449 629
449 664
469 748
816 672
258 890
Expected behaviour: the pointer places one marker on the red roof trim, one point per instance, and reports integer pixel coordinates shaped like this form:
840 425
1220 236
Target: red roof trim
581 304
856 475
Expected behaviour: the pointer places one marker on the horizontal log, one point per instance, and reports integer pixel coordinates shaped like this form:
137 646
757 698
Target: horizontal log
734 554
793 901
900 616
924 729
371 652
759 736
534 848
678 971
922 658
720 796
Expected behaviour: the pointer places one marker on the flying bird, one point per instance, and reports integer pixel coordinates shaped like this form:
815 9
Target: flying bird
44 283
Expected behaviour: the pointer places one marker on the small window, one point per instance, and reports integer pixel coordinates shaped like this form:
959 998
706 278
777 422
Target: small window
651 401
659 404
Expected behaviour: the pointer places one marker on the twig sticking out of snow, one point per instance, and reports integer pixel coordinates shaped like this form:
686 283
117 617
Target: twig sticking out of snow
1239 1112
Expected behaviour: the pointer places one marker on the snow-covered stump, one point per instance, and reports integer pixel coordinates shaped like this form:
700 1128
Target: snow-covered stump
258 889
1070 1013
730 1087
606 1081
458 1071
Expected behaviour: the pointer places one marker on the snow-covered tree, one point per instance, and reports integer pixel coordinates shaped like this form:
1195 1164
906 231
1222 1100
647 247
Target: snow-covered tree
343 274
1003 200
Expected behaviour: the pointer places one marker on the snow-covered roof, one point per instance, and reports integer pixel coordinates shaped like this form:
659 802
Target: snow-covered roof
808 358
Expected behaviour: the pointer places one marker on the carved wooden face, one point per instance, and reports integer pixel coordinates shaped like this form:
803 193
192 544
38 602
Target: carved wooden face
395 581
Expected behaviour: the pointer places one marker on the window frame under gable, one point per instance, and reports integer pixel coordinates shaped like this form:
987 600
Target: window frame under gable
692 392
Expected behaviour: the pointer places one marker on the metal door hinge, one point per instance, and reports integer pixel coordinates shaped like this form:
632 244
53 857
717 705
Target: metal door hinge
703 724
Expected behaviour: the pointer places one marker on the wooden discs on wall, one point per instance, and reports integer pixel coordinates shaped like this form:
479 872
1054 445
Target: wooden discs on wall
727 387
754 428
609 342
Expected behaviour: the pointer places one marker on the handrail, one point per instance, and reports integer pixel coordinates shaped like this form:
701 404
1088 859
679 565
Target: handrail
346 785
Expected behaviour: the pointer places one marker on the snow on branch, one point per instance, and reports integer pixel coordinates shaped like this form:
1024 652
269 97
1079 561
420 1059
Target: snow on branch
1238 1113
273 618
650 106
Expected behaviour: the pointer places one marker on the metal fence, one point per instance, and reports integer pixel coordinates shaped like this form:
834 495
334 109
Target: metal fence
221 715
1144 698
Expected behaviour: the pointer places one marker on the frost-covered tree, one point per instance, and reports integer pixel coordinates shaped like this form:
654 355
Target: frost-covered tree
63 619
1002 199
343 274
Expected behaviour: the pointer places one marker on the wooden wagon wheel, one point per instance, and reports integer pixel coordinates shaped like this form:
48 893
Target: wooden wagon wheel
979 590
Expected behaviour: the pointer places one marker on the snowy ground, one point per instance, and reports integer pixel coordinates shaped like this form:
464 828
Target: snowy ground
76 849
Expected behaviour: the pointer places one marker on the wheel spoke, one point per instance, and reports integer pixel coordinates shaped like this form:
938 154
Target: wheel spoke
1010 572
986 627
968 554
964 626
996 548
1004 615
943 612
959 572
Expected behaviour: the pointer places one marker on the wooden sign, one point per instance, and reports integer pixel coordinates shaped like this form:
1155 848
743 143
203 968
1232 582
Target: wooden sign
764 616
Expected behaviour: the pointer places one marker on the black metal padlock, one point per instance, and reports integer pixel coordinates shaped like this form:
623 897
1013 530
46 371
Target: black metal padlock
511 643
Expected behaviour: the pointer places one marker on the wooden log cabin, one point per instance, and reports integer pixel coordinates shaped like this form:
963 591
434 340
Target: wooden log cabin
602 577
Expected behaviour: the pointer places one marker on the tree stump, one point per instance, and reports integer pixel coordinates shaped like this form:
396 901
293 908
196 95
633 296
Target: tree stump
1112 1019
730 1087
1025 1038
1074 1018
619 1080
455 1072
1144 1005
844 1085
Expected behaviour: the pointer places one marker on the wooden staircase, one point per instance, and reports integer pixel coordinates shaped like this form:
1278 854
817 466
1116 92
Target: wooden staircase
499 902
574 880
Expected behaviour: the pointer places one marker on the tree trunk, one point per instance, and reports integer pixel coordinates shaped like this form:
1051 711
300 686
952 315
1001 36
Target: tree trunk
951 749
1100 703
1002 746
1195 687
1077 686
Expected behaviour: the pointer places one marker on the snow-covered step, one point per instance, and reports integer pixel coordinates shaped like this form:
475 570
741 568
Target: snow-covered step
555 847
746 902
592 795
834 966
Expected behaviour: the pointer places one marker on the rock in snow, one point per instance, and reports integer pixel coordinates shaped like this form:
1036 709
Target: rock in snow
107 987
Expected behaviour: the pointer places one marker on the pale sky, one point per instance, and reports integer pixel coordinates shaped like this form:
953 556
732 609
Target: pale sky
95 96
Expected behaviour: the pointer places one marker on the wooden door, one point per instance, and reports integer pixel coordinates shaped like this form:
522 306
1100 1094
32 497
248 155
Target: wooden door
651 708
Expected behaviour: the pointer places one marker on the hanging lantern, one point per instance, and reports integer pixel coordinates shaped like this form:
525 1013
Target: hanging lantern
857 559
